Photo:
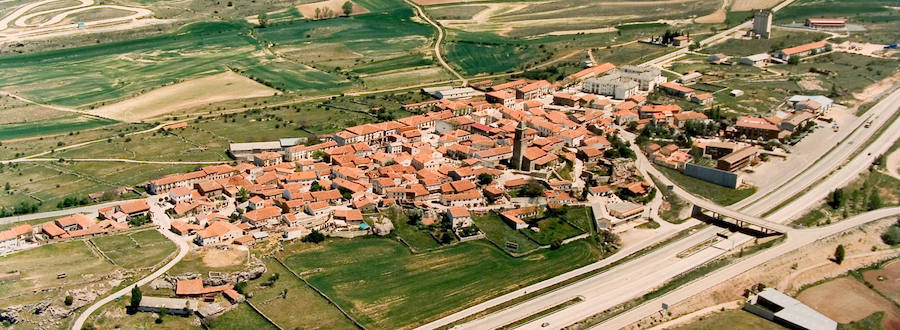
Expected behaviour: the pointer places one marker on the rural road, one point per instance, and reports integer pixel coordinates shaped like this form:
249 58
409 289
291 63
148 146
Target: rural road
438 41
117 160
183 248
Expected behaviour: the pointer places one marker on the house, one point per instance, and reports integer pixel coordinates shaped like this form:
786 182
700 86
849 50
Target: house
217 232
516 217
754 128
350 217
295 232
172 306
267 158
262 217
703 98
676 89
795 120
681 41
565 99
624 215
133 209
533 90
506 98
756 60
459 216
457 93
737 159
803 50
815 104
74 222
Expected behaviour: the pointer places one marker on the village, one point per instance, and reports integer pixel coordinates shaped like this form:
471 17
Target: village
521 150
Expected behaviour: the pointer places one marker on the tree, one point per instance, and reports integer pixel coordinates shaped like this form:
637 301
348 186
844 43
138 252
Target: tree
243 195
485 179
348 8
241 287
414 218
533 188
892 235
794 60
839 254
69 300
319 155
136 296
263 20
446 238
875 201
315 186
314 237
836 200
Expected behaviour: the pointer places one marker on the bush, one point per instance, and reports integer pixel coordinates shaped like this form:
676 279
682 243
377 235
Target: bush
314 237
839 254
892 235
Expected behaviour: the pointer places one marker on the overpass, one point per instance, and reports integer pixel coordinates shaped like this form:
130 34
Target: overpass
741 220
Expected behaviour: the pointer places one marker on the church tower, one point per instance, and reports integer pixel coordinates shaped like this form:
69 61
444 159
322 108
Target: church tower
518 146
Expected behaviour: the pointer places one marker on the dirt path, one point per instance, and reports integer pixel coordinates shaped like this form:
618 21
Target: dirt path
893 164
437 43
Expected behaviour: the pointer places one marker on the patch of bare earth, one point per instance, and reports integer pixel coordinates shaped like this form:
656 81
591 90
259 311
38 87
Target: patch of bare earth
184 95
216 258
846 300
886 280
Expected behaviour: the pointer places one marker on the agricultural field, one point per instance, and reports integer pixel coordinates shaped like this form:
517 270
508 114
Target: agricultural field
51 126
382 285
207 90
551 229
45 184
15 111
113 315
419 239
835 297
500 233
276 56
242 317
781 38
140 249
317 312
528 19
886 280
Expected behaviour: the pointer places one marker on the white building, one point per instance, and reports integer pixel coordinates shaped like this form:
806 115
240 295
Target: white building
611 85
457 93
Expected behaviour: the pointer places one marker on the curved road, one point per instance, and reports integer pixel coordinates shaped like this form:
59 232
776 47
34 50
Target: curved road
438 41
183 249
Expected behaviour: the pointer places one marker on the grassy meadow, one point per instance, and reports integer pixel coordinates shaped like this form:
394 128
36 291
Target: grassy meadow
381 284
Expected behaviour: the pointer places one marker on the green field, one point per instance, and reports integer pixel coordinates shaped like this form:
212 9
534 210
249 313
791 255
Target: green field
780 39
474 58
552 229
136 250
384 286
500 233
316 311
241 318
419 239
711 191
91 76
51 126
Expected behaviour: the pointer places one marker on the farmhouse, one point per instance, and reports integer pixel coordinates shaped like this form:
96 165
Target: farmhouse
802 50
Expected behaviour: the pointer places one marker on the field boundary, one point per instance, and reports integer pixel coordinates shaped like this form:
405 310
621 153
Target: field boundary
320 293
263 315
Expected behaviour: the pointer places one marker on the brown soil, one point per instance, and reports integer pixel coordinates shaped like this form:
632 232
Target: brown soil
846 299
216 258
889 283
